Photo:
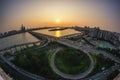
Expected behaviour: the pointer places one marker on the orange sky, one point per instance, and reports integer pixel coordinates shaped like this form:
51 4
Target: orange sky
71 13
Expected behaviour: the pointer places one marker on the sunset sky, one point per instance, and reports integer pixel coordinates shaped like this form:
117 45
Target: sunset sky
36 13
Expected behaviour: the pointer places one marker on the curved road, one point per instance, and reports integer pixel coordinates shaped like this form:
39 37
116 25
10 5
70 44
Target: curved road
27 75
68 76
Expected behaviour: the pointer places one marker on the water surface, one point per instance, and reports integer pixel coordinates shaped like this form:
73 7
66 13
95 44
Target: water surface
103 44
57 33
16 39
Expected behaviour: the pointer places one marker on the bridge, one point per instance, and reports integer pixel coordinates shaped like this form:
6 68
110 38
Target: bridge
85 48
26 75
27 30
72 35
14 48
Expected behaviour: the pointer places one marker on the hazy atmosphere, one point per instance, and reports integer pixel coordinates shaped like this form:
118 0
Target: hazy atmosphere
39 13
59 39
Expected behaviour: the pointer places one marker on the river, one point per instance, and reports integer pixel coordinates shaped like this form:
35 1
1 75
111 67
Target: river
16 39
26 37
57 33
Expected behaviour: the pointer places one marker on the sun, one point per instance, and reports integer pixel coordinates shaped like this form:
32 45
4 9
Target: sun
58 20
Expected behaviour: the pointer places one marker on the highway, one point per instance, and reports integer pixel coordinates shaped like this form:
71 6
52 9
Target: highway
21 71
25 44
103 75
68 76
85 48
26 75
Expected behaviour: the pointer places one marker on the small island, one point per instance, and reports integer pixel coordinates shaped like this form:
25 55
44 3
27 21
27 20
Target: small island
60 29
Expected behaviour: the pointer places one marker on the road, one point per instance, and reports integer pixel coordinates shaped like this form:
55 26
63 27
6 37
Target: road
103 75
68 76
25 74
85 48
21 71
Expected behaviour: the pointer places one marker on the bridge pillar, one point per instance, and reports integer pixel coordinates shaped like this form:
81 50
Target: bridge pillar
10 50
30 45
21 48
24 46
34 44
15 48
38 43
27 46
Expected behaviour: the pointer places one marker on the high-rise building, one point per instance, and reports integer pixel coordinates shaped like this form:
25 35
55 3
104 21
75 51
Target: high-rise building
22 28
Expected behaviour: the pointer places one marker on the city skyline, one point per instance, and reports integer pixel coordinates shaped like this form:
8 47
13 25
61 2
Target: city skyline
60 39
102 13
